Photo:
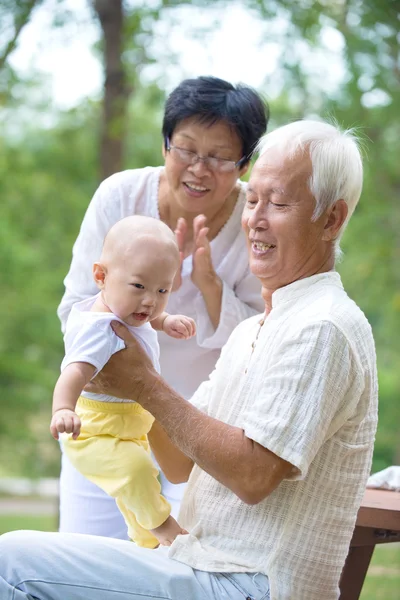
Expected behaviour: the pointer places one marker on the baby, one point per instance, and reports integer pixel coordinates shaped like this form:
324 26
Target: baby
108 436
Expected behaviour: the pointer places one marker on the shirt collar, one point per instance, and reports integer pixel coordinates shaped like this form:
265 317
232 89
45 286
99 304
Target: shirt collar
303 286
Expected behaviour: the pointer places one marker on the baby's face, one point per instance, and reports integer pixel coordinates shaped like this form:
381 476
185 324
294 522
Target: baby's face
137 291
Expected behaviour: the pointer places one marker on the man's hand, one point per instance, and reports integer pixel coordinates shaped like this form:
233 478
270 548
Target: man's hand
129 373
65 421
179 327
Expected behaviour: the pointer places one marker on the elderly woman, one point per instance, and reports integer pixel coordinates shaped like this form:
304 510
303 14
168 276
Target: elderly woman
210 130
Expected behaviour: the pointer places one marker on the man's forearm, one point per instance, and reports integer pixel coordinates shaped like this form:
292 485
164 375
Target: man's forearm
175 465
221 450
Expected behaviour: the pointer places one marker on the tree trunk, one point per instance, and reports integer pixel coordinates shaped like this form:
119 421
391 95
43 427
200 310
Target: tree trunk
116 92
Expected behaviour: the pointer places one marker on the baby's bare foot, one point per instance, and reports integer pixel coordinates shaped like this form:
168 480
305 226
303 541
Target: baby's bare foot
167 531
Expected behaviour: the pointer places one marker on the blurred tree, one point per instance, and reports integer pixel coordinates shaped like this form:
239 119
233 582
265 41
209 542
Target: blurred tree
48 172
127 35
14 15
116 89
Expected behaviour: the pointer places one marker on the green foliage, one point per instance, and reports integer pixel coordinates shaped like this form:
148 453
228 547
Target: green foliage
48 173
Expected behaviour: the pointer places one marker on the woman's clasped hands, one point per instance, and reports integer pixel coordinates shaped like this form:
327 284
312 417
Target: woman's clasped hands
203 274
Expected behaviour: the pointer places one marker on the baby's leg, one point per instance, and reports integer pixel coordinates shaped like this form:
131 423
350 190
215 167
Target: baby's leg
125 471
142 497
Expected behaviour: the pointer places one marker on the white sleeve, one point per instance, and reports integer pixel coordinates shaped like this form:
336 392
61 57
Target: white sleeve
102 213
93 344
306 396
210 387
237 305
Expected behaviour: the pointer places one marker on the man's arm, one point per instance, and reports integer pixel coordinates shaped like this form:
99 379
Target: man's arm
175 465
248 469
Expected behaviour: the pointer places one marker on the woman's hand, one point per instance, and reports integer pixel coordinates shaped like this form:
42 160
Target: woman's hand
203 274
129 373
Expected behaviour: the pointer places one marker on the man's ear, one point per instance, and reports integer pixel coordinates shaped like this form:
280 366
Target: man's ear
163 150
99 274
335 220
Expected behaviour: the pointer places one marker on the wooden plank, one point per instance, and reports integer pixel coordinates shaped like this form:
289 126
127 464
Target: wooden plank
369 536
378 522
380 509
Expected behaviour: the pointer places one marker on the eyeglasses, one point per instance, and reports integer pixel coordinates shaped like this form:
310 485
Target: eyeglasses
187 157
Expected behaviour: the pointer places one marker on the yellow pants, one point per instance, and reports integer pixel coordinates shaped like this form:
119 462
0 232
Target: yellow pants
113 452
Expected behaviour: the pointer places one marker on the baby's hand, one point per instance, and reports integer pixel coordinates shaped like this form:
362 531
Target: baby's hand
65 421
179 327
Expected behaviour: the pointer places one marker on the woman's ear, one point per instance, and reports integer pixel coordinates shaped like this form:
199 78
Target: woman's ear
335 220
244 169
99 274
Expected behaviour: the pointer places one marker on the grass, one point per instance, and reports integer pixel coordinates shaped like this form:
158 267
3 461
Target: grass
39 522
382 581
383 577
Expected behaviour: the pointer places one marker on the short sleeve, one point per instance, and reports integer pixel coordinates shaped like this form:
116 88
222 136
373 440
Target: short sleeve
305 396
94 344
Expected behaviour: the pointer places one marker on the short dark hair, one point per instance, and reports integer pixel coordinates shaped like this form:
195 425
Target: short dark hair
210 100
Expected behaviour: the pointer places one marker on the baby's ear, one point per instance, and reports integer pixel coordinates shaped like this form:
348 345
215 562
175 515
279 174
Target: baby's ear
99 274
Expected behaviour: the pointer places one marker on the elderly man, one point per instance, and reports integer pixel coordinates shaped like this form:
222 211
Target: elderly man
277 445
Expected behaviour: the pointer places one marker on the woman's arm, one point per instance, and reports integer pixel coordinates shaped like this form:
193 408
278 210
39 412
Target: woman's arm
219 307
235 306
79 282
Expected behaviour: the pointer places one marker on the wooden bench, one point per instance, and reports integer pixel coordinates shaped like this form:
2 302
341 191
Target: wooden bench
378 522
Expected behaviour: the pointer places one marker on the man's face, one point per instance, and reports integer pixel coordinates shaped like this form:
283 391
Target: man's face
284 243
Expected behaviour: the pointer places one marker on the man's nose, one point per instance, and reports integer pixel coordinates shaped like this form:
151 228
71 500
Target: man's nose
257 219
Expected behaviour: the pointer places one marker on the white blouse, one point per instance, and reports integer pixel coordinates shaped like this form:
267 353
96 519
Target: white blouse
184 363
307 391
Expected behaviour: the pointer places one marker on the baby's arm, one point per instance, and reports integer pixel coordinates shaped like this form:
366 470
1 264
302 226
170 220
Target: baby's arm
176 326
66 393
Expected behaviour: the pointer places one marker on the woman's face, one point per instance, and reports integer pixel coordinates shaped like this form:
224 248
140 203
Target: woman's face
199 188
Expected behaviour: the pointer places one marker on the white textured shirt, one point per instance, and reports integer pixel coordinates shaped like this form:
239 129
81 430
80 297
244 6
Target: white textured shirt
90 338
310 396
184 363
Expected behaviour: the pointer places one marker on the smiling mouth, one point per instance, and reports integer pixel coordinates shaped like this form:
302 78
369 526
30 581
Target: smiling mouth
261 246
196 188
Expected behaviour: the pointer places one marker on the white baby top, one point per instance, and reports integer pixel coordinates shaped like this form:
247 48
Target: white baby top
184 363
89 338
309 396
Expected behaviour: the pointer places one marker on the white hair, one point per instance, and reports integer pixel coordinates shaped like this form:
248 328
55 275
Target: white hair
337 170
